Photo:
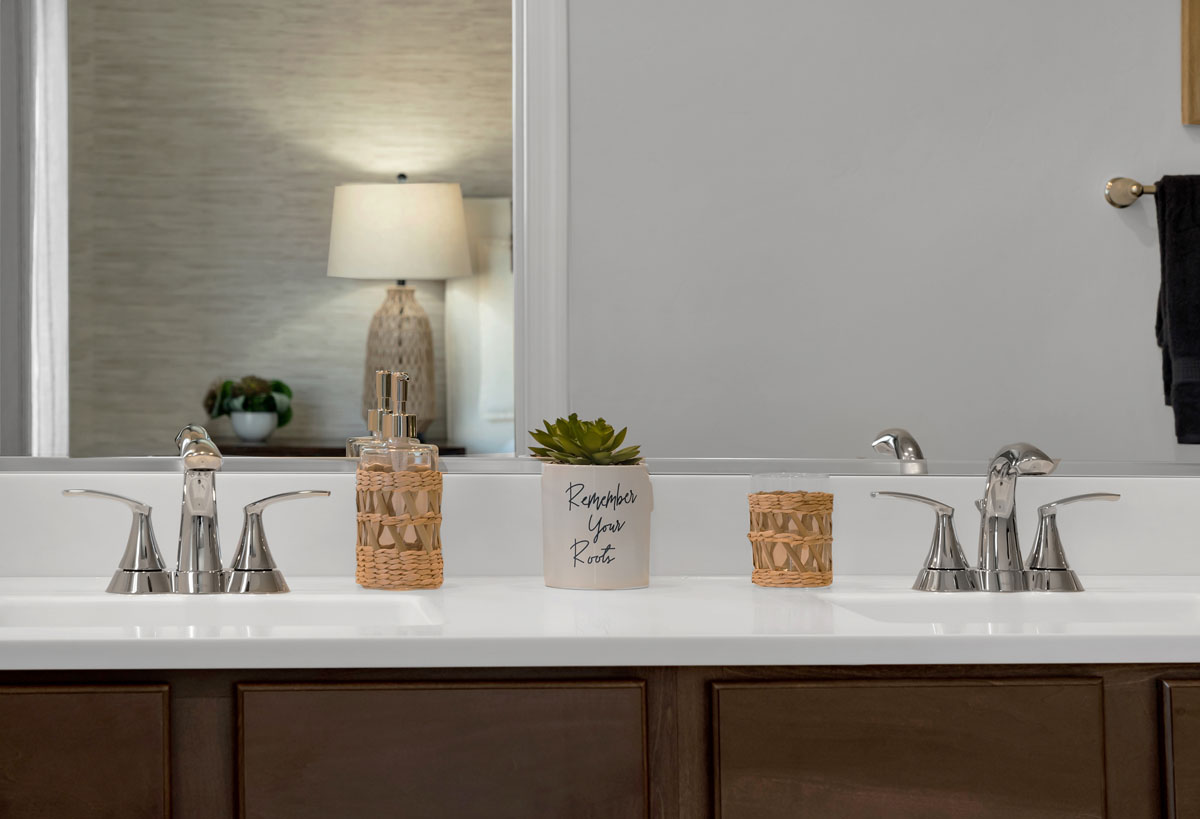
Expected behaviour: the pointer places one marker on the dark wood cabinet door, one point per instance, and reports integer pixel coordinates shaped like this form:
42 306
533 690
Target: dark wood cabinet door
910 748
1181 746
84 751
571 749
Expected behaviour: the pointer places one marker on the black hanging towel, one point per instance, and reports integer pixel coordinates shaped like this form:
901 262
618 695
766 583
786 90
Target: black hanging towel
1177 202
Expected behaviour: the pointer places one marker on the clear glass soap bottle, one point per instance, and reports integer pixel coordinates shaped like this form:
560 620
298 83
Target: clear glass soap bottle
399 449
383 392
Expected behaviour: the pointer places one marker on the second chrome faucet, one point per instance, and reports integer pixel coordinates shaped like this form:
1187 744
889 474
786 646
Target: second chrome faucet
1001 567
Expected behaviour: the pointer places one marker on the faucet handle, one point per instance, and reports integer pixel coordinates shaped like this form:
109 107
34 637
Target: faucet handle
137 507
262 503
1051 509
946 567
1047 568
254 570
938 506
141 570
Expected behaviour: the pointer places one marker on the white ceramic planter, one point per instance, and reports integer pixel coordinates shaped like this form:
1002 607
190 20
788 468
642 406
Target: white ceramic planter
254 427
596 526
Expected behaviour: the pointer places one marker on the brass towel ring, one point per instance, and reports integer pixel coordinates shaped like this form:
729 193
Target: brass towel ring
1121 191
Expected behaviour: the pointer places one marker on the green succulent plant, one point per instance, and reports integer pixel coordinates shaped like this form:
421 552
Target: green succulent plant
251 394
571 441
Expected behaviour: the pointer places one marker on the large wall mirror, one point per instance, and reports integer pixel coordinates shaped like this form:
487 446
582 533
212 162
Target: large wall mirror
763 241
206 142
795 224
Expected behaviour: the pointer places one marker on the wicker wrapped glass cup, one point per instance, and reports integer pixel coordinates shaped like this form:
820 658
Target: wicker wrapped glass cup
791 530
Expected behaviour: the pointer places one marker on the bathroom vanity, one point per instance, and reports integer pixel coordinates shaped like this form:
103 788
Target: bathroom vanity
700 695
628 740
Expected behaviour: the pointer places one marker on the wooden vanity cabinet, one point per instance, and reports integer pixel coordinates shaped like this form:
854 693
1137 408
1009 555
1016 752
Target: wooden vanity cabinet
909 748
569 749
84 751
1121 741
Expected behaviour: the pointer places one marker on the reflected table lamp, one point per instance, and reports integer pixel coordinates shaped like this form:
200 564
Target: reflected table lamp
400 232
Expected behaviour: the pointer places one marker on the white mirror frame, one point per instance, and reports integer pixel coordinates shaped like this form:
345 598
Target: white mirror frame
34 404
34 240
541 176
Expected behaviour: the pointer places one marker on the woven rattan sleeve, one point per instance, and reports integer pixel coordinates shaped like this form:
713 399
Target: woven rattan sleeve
399 542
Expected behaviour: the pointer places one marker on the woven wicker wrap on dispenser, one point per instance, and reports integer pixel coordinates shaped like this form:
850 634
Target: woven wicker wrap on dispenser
399 529
791 534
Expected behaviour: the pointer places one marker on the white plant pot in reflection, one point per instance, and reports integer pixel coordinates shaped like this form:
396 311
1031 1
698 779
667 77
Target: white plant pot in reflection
254 427
596 526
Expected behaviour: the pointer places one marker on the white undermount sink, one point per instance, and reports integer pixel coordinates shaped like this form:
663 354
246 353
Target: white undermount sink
1029 607
208 611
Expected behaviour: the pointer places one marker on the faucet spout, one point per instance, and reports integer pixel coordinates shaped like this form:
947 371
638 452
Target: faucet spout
1011 461
1001 567
901 444
199 568
197 449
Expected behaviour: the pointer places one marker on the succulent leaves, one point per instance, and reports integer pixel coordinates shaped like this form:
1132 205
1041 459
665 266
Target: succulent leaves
571 441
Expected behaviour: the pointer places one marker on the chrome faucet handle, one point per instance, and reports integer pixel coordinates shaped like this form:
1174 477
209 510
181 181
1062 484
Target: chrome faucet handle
938 506
141 570
254 570
1051 509
946 567
901 443
1047 568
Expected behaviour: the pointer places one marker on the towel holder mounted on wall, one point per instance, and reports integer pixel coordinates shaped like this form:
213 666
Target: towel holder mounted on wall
1121 191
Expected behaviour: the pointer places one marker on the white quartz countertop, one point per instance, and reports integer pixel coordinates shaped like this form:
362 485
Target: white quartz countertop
69 623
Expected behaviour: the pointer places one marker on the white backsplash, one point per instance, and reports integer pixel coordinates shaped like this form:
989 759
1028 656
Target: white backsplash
492 526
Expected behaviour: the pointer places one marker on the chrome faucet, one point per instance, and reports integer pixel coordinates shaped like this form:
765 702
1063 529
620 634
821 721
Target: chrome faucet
199 569
1001 568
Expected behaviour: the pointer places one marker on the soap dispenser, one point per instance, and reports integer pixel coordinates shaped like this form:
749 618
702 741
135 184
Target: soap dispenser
399 504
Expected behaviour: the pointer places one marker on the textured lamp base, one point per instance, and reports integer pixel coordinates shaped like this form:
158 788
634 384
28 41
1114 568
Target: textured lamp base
400 340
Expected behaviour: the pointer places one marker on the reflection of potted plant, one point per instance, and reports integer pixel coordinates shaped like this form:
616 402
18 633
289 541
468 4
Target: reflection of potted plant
255 405
596 504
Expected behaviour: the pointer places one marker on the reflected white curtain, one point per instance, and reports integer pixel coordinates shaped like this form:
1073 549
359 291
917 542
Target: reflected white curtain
34 399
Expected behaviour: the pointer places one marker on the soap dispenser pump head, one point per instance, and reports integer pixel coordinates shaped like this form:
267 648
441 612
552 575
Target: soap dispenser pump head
383 394
383 389
406 421
400 393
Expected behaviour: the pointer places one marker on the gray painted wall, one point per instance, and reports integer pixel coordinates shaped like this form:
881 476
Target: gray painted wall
793 224
207 139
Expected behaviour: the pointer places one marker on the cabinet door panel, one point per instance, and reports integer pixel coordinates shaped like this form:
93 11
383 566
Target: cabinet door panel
988 748
442 750
1181 746
94 751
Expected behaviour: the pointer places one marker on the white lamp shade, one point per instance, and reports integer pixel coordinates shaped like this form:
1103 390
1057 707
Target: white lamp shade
398 231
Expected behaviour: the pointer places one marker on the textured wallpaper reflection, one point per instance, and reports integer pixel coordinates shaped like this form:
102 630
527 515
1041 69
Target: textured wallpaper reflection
206 140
